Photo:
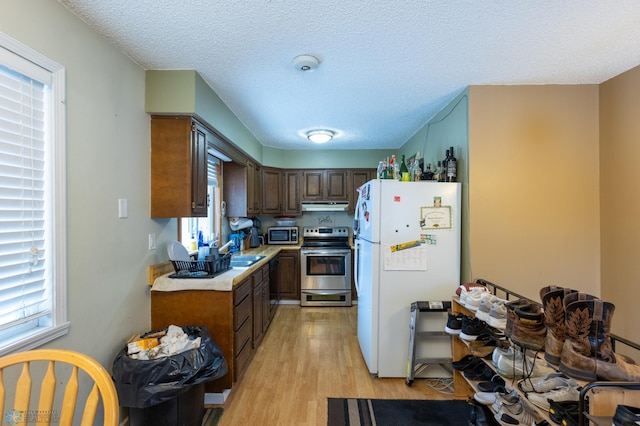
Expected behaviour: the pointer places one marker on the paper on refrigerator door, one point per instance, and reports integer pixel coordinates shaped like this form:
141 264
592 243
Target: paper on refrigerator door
413 259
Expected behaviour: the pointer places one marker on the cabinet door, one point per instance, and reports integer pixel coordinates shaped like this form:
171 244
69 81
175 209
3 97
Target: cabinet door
313 182
356 179
336 185
254 188
289 274
178 167
199 176
242 187
271 191
291 193
324 185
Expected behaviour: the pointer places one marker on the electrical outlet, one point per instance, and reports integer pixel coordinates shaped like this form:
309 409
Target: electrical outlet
152 241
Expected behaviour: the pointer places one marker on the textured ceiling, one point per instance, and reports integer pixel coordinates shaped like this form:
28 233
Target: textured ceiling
386 67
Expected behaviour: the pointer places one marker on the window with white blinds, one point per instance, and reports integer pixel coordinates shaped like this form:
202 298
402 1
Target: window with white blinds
32 204
212 170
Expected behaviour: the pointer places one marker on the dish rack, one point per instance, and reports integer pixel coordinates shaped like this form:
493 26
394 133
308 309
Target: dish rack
201 268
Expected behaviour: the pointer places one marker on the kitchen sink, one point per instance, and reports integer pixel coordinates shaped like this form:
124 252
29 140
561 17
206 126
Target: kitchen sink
244 261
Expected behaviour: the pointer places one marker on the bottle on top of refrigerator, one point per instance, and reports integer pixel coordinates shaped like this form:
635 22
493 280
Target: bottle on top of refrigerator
439 173
391 172
428 173
452 166
380 171
414 170
444 163
404 171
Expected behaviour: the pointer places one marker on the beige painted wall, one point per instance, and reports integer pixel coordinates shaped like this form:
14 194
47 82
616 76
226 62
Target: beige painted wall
620 199
533 187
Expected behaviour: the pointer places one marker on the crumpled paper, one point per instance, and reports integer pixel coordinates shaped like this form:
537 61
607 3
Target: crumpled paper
172 343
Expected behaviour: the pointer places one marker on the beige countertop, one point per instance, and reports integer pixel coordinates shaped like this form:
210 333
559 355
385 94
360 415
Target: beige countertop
160 281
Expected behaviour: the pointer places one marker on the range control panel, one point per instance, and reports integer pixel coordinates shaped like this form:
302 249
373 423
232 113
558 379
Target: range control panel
326 231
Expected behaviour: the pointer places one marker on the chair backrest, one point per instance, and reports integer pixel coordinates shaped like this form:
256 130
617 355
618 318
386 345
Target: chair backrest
55 360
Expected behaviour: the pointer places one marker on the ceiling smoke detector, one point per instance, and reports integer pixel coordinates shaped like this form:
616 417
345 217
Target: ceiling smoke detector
305 62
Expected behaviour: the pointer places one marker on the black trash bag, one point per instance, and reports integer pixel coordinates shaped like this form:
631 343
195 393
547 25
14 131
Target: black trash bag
143 383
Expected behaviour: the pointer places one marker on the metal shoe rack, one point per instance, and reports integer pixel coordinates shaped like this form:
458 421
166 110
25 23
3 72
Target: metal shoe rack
603 396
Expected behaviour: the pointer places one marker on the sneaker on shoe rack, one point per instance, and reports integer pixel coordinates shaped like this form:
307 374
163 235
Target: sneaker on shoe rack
454 324
541 400
465 288
466 362
474 297
626 415
545 383
486 303
481 372
516 414
565 413
490 398
496 384
472 328
498 316
483 346
512 364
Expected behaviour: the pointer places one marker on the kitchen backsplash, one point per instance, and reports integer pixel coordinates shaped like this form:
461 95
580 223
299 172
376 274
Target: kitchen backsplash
313 219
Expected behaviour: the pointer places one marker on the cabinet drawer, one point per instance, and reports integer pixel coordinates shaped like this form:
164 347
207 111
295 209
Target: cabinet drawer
241 291
242 337
242 312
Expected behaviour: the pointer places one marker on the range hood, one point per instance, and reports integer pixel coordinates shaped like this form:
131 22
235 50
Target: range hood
325 206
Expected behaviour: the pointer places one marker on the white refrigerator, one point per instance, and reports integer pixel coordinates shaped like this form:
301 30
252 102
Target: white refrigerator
407 249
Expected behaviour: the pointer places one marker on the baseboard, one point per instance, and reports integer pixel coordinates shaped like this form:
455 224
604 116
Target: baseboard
216 398
289 302
297 302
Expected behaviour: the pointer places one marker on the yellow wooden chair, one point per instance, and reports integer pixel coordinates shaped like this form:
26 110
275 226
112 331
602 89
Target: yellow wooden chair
21 412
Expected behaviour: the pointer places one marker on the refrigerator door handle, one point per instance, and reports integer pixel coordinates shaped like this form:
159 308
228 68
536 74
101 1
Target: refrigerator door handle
356 256
356 217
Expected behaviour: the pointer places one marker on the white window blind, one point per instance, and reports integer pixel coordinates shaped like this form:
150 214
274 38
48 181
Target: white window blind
23 286
212 170
32 275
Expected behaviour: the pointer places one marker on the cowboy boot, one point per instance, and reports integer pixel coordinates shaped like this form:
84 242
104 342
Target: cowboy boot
511 315
528 327
552 298
587 353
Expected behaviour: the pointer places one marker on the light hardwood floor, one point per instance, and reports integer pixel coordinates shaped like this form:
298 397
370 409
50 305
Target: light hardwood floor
307 356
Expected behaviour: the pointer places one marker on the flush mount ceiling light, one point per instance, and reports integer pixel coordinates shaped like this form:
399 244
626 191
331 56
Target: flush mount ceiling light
320 136
305 62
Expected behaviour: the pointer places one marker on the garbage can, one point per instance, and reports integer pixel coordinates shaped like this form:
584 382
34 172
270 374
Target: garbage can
169 391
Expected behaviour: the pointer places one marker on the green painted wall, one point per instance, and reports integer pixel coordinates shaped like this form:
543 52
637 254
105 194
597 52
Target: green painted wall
170 92
185 92
335 158
450 127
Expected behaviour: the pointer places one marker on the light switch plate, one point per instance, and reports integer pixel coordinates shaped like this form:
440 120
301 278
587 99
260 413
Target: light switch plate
123 208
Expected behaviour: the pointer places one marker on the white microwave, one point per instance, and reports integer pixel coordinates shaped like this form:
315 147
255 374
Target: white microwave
282 235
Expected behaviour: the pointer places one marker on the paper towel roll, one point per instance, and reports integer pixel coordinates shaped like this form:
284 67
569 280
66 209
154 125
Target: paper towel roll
238 223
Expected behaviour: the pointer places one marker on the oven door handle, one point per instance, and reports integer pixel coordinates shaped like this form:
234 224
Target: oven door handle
320 252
